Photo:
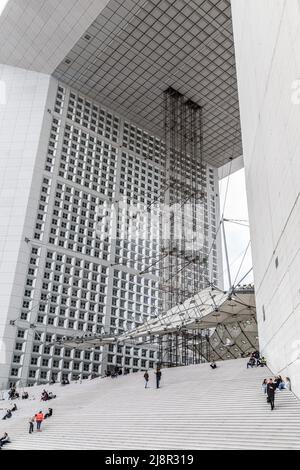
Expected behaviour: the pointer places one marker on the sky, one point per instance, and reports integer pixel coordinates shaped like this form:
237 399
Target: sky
237 236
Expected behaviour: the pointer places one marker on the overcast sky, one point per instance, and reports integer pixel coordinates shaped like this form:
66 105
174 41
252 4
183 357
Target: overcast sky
237 236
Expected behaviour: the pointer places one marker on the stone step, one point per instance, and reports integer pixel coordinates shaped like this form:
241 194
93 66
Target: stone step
196 408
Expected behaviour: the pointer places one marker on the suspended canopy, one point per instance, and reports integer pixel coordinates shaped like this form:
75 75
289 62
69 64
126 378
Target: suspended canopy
207 309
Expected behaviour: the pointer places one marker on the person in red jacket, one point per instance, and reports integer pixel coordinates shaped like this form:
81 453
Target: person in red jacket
39 417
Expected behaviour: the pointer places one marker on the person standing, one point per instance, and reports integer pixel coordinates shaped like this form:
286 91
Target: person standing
158 377
271 387
39 417
264 386
31 425
146 377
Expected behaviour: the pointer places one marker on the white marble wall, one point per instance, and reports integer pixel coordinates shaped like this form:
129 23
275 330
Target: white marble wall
23 116
37 35
267 42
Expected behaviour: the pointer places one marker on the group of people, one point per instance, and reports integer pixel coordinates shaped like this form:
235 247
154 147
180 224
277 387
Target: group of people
158 375
9 412
256 360
114 373
47 396
38 418
13 394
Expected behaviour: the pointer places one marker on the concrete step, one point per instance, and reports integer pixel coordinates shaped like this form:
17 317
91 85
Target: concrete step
195 408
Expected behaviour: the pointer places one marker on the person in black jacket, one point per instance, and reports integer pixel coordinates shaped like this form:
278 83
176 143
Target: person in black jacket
49 414
146 377
158 376
255 354
271 387
4 440
7 415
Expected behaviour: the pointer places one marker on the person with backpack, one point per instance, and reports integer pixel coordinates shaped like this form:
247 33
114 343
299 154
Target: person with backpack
39 418
146 377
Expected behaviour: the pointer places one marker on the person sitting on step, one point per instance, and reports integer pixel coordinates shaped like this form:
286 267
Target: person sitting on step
213 365
261 362
4 440
287 384
7 415
251 362
45 396
49 414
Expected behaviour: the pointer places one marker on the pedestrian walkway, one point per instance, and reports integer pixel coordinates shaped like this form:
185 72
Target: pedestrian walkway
195 408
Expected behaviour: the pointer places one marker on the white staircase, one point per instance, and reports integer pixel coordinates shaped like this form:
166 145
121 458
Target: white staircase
195 408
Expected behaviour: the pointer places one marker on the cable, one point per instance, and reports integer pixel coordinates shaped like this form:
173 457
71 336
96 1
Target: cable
245 253
245 275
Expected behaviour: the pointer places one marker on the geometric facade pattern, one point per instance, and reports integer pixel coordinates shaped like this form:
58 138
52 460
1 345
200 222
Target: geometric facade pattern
134 50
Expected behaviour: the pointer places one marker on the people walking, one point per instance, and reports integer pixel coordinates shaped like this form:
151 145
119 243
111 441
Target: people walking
146 377
31 424
158 377
271 387
39 417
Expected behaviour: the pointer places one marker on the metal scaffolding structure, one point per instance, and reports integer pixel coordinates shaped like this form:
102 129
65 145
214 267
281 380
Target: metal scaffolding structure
184 348
183 197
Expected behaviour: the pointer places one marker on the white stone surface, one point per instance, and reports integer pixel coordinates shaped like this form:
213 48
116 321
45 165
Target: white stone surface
195 408
38 34
267 43
230 167
22 118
